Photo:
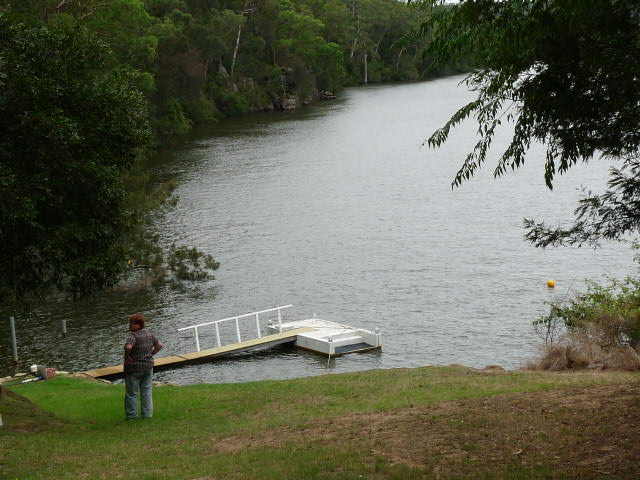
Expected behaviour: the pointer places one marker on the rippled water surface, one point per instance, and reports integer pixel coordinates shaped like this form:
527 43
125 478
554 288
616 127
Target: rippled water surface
338 210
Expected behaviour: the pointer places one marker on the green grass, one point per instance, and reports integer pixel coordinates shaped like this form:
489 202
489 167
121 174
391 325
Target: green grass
90 438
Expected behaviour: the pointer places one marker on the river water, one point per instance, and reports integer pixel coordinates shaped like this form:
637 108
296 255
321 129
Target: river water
338 210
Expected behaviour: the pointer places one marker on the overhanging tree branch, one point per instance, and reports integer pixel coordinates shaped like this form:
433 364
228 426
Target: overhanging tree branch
610 215
571 70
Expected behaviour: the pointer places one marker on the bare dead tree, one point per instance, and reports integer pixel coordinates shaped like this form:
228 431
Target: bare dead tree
246 11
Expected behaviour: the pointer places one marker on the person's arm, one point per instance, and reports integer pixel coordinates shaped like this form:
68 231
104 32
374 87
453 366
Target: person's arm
156 348
127 354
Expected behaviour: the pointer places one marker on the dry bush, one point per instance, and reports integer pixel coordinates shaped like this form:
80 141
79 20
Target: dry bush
607 330
557 357
583 349
625 358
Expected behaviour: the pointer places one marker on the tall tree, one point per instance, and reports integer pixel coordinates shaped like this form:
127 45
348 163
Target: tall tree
563 72
69 128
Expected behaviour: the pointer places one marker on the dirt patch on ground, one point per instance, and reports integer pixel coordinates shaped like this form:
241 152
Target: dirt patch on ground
586 432
19 414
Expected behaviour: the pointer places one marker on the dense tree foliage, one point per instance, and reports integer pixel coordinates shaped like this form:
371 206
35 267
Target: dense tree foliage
564 73
74 198
85 83
69 128
206 59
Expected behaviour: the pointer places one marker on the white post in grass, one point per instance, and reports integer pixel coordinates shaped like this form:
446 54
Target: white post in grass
14 343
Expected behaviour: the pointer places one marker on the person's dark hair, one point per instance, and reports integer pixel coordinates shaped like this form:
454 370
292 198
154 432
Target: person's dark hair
137 320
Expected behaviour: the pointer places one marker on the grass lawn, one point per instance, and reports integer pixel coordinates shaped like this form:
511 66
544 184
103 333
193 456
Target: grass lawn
431 422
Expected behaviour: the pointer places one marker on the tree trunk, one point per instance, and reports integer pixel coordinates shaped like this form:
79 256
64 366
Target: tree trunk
366 73
235 50
399 55
61 5
355 39
245 11
380 40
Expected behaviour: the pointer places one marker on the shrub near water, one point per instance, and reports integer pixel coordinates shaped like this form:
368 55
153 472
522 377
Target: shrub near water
596 329
585 354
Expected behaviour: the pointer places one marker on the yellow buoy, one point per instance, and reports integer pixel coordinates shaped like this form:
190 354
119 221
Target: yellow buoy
551 283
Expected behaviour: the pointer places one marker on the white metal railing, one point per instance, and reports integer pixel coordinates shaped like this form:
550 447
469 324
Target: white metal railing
237 321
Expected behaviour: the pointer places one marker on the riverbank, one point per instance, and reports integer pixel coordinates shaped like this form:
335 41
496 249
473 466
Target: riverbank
430 422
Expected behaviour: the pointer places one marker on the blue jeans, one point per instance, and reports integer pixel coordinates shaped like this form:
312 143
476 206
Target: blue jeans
142 381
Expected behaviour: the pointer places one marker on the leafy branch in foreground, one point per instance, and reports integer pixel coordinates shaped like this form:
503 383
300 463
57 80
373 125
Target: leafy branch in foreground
610 215
565 74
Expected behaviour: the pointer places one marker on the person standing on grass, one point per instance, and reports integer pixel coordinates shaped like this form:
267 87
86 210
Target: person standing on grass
139 350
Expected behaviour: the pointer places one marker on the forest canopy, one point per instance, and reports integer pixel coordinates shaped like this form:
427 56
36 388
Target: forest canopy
203 60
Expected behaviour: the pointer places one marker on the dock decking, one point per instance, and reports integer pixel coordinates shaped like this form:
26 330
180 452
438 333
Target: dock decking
175 360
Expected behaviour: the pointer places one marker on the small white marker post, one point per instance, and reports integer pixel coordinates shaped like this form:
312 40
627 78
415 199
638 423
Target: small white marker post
14 344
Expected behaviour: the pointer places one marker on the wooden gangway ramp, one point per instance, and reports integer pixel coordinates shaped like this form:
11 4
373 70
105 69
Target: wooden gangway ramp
176 360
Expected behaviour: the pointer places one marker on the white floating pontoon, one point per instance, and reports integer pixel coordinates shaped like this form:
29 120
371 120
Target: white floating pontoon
322 336
330 338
